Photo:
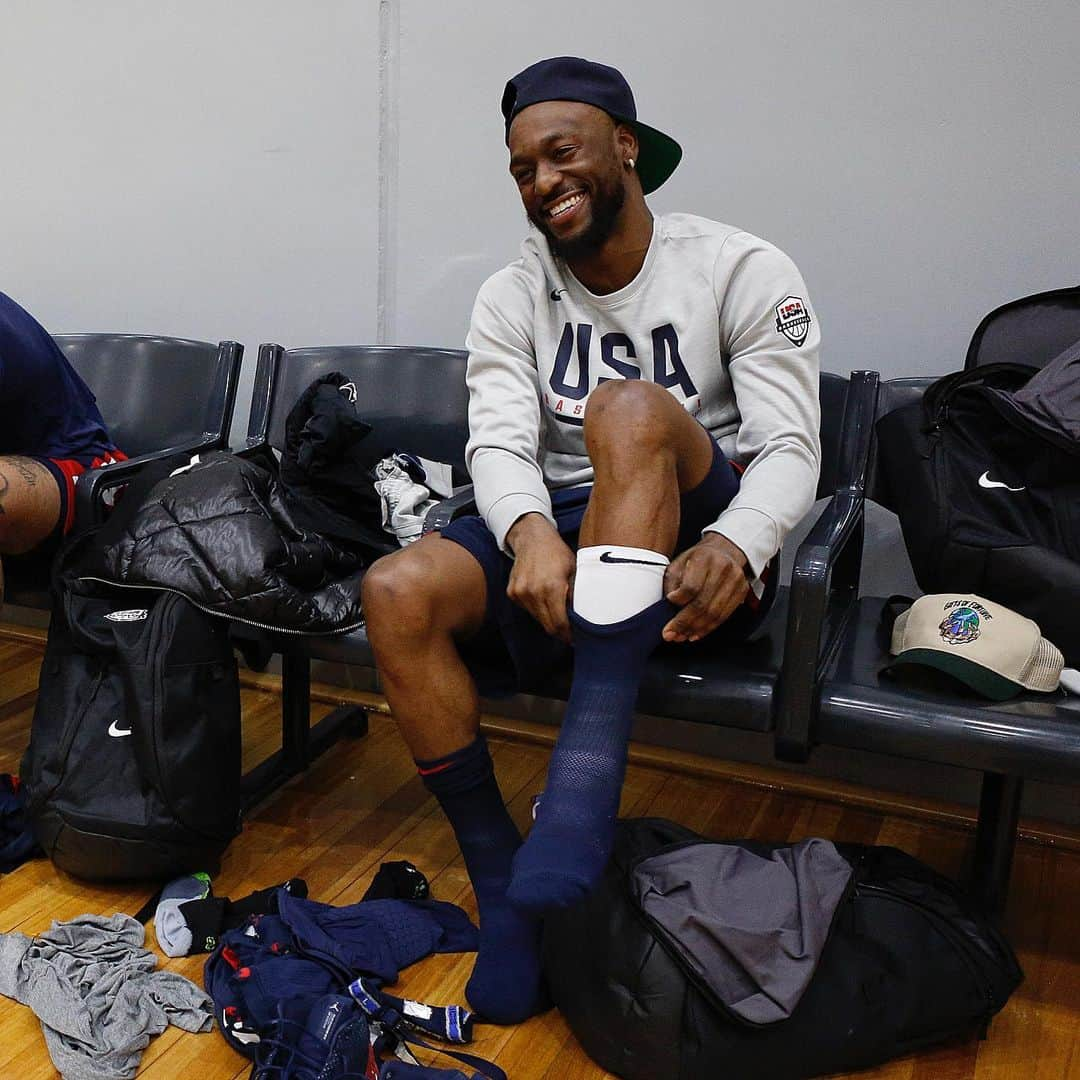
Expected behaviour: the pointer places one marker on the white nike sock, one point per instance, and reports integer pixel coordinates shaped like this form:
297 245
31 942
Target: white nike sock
612 582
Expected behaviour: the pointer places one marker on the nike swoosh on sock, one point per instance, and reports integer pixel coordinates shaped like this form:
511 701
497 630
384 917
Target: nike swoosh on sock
607 557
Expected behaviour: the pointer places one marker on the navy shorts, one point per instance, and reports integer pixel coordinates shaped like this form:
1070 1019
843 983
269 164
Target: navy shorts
511 651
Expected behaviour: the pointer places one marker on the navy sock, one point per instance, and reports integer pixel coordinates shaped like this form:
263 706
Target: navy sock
505 986
570 843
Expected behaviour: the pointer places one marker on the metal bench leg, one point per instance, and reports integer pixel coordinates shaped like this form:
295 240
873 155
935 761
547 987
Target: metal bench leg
295 753
301 742
995 839
349 720
296 710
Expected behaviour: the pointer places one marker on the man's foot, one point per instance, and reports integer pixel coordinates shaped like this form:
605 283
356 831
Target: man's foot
558 867
506 985
569 846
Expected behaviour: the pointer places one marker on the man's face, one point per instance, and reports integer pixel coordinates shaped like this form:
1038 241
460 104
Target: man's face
567 160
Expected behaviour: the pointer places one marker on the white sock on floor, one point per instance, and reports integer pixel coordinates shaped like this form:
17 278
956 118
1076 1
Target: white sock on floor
613 583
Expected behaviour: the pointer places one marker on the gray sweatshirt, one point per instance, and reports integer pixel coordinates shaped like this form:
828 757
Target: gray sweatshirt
94 989
719 317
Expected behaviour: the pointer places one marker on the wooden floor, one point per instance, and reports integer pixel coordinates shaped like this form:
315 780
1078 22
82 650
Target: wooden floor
363 804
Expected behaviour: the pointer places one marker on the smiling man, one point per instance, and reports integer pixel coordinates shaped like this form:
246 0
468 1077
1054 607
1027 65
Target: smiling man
643 433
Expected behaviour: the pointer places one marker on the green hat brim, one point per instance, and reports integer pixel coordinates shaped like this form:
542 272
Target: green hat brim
658 155
981 679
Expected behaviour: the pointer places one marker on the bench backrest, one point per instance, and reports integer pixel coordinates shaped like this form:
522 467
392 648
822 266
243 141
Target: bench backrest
833 395
414 397
158 392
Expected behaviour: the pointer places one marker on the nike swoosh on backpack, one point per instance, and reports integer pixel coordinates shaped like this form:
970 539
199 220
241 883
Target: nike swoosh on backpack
986 482
118 732
607 557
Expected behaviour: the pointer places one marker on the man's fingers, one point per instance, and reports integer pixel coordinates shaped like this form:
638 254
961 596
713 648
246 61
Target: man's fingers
550 611
706 610
548 607
560 627
687 578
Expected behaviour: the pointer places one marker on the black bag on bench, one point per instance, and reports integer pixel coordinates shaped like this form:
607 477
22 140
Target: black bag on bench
133 768
988 490
698 959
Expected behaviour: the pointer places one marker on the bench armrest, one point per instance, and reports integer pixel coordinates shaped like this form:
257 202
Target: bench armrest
91 486
825 580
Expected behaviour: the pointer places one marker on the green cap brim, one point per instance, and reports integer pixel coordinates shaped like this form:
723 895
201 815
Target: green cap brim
981 679
658 155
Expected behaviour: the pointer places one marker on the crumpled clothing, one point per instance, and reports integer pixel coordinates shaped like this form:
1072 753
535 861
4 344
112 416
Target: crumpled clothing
326 467
94 988
378 937
404 501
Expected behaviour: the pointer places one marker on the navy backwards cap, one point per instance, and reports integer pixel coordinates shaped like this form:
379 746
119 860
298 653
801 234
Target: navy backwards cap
569 78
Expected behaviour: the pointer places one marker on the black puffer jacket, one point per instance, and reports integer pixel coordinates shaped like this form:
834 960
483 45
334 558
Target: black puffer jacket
220 533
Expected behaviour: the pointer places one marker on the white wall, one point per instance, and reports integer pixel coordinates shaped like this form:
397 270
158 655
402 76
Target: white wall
190 167
919 161
211 169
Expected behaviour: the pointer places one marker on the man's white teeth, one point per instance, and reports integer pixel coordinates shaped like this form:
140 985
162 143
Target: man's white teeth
566 204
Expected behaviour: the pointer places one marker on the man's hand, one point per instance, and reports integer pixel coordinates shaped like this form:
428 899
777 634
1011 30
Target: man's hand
543 568
708 581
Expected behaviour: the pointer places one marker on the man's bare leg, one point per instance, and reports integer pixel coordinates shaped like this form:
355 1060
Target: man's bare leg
29 506
418 602
645 449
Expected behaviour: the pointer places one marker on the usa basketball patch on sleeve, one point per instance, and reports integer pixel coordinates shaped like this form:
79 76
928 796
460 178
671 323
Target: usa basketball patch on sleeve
793 319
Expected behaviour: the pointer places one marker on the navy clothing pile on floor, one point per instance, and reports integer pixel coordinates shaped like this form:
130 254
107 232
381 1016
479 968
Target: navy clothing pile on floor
295 985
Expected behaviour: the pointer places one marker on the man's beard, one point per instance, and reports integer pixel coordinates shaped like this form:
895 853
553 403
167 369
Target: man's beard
606 203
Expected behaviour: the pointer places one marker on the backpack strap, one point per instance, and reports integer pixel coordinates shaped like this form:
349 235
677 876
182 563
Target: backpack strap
400 1019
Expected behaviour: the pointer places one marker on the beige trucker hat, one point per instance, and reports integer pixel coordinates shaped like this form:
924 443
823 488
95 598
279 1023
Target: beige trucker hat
997 652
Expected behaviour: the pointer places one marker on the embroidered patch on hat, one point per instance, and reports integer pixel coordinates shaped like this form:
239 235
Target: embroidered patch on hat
961 624
793 319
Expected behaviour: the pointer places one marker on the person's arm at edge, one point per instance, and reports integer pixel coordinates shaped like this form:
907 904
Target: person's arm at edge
776 388
503 449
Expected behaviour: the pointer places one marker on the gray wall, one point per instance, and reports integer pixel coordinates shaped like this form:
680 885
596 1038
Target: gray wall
230 169
918 160
191 167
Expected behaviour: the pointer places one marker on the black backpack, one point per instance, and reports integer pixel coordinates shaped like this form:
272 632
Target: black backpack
133 767
989 502
654 983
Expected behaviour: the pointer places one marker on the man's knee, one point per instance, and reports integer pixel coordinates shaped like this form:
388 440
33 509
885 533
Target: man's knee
631 412
396 592
427 587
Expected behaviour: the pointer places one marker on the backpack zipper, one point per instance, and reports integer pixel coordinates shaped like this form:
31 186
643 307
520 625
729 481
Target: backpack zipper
71 729
222 615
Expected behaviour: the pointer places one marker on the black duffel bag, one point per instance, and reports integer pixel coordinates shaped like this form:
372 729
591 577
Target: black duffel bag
695 958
